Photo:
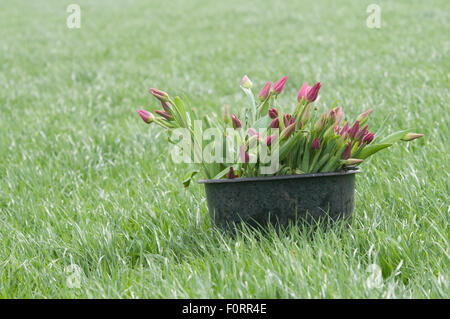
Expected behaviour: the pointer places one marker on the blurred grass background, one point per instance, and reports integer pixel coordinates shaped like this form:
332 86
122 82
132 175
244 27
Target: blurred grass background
83 181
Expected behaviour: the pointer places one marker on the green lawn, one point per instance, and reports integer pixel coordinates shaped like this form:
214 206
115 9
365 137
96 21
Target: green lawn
84 181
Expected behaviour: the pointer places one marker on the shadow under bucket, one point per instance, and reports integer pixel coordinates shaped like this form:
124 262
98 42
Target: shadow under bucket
281 200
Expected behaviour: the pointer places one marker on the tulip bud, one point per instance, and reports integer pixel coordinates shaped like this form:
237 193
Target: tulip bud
344 129
321 122
160 95
362 116
275 123
235 121
230 173
245 158
270 139
146 116
165 106
354 129
287 131
286 119
311 96
361 133
303 91
164 114
315 144
264 93
411 136
306 113
278 86
246 83
339 114
273 113
347 152
368 138
353 161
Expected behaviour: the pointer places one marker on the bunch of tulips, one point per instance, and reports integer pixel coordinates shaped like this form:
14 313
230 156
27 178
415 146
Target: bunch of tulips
307 140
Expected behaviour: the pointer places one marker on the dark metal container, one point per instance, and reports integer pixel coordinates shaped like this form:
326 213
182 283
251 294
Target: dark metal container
279 200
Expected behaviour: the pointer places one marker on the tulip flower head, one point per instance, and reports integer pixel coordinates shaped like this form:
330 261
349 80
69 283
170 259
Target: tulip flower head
368 138
275 123
273 113
245 158
347 152
270 139
160 95
278 86
308 93
265 91
146 116
164 114
315 144
411 136
246 83
231 173
236 122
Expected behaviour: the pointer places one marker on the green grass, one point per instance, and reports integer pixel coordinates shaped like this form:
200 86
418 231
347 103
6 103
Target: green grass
83 181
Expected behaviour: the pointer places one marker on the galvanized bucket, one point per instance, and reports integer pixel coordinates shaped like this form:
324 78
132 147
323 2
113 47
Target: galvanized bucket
279 200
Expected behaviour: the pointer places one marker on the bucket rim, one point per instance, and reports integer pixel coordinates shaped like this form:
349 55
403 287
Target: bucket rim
281 177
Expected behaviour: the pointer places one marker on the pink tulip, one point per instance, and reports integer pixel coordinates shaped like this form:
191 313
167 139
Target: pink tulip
160 95
235 121
273 113
230 173
245 158
270 139
354 129
315 144
275 123
278 86
286 119
146 116
308 93
361 133
347 152
287 131
264 93
368 138
164 114
344 130
311 96
165 106
364 115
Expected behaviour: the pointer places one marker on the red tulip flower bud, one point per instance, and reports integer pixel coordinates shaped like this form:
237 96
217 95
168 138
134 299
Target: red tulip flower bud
315 144
347 152
235 121
270 139
165 106
287 131
368 138
278 86
275 123
303 91
361 133
273 113
230 173
364 115
160 95
245 158
164 114
264 93
344 130
311 96
354 129
146 116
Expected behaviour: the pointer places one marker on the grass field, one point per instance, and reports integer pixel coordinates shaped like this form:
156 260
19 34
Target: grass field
84 182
